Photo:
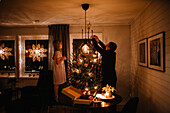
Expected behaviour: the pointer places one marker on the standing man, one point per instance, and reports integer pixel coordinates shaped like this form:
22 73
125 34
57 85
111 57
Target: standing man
108 61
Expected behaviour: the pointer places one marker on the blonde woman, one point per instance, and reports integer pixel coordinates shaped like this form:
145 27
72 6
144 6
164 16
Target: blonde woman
59 74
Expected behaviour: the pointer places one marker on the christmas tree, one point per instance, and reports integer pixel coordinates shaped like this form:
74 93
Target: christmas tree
84 71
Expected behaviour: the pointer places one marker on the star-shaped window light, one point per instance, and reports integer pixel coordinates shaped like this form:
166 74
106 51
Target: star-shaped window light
5 52
37 52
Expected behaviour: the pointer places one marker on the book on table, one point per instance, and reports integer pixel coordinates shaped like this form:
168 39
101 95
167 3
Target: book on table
76 95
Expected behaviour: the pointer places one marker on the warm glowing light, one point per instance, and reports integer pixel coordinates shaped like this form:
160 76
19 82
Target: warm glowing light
26 51
81 60
103 104
95 60
5 52
108 88
37 52
86 88
95 87
94 55
1 52
77 71
106 94
85 48
100 96
88 93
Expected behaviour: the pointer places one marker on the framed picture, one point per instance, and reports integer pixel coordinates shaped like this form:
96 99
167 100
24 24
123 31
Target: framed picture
156 51
142 47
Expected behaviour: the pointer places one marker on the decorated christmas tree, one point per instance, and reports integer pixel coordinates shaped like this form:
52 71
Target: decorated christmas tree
84 71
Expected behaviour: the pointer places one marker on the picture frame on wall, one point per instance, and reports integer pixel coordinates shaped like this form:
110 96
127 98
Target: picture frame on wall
156 51
142 53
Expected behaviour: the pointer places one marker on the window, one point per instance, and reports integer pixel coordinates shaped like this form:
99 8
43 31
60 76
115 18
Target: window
7 56
36 55
33 55
78 36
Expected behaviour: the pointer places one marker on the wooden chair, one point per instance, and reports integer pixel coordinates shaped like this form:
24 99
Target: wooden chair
130 106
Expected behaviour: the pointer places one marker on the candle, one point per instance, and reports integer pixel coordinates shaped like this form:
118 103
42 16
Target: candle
106 94
103 104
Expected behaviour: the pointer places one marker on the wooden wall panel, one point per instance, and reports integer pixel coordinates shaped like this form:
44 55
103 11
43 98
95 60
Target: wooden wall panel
151 86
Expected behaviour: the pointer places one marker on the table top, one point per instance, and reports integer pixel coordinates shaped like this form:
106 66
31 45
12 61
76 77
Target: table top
64 100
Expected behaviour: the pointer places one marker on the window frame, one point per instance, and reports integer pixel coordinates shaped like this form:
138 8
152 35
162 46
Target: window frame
79 36
5 73
22 38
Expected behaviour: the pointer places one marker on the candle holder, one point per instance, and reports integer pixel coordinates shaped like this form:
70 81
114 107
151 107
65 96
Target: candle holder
108 91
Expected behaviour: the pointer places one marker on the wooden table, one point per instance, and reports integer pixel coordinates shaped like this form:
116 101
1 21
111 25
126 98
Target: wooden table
66 105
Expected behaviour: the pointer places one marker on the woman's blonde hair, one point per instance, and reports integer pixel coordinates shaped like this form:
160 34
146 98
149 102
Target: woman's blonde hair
56 44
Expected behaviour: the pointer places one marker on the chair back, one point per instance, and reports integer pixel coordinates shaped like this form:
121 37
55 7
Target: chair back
45 87
131 106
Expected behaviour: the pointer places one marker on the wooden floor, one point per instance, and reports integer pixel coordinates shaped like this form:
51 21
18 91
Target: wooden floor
64 109
67 109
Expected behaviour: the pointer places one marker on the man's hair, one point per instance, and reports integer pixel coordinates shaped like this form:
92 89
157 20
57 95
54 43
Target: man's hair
112 46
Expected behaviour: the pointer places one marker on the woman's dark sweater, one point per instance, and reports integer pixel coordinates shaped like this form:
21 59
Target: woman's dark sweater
108 64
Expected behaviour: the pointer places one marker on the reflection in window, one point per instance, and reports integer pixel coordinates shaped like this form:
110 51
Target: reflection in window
36 55
7 56
84 45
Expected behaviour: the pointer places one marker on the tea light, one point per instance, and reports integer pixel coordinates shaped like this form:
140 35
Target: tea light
103 104
106 94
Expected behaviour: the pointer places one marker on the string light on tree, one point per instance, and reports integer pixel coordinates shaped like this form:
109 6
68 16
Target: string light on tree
85 59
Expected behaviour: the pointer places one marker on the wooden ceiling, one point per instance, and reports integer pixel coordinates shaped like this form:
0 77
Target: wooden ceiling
46 12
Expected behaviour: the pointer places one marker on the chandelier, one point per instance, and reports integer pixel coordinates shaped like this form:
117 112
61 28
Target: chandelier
5 52
85 47
37 52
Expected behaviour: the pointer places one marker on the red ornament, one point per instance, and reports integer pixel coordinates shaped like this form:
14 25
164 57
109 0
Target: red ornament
94 77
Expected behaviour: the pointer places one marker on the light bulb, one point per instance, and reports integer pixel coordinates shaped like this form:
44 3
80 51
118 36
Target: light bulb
95 87
37 51
86 88
95 60
85 48
26 51
1 52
